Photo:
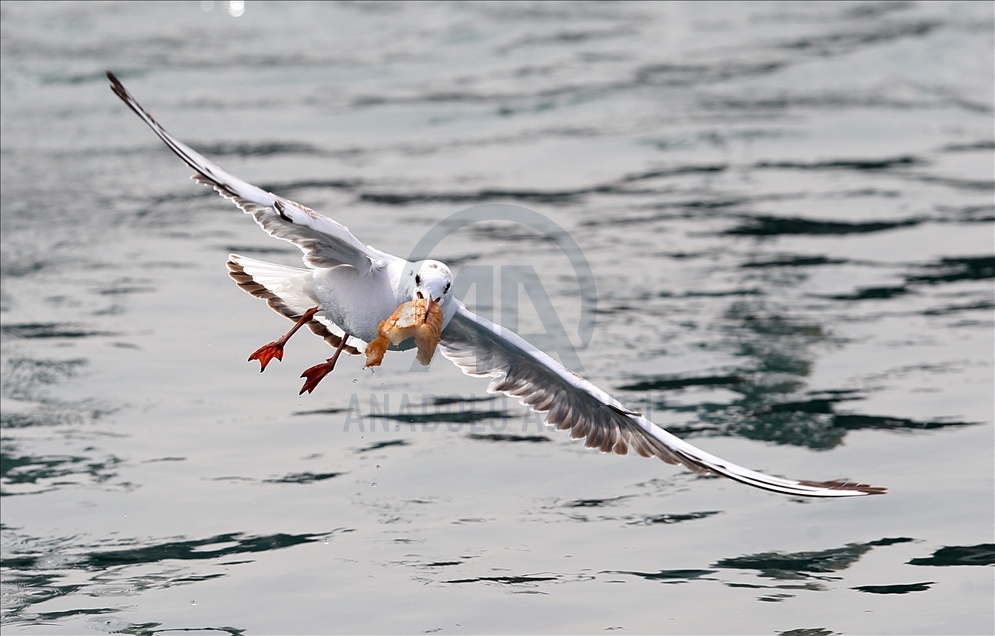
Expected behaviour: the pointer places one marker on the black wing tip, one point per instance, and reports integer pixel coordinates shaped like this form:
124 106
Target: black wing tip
203 175
118 87
842 484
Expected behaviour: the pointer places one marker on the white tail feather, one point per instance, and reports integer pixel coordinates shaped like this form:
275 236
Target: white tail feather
289 284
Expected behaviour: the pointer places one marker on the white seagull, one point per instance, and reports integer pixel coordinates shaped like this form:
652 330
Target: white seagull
354 287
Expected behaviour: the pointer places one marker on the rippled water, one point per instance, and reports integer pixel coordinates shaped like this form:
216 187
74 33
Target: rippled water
788 213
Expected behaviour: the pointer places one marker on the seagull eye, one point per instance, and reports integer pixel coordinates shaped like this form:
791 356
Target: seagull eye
446 290
417 279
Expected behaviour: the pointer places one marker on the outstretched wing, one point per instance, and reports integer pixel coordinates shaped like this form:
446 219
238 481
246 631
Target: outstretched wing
481 348
325 243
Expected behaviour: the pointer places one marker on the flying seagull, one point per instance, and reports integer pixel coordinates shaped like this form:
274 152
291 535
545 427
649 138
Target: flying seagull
349 289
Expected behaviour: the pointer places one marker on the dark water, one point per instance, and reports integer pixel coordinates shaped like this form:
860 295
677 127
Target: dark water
788 213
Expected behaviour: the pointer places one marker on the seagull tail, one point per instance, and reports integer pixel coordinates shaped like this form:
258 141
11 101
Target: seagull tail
285 290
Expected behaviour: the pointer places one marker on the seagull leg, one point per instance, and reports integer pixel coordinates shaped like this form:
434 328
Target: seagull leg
274 349
318 371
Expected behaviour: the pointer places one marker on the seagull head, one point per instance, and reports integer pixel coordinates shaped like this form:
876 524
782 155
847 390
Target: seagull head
432 281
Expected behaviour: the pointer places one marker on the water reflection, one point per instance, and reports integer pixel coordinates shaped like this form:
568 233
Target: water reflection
33 475
814 570
803 565
186 550
902 588
38 570
771 402
763 195
114 625
982 554
668 576
302 478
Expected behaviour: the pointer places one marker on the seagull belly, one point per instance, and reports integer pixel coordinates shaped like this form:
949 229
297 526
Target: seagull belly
356 303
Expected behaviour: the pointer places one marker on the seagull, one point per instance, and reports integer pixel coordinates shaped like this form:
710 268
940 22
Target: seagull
348 289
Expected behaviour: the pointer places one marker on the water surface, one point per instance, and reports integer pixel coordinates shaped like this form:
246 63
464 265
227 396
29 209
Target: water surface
788 213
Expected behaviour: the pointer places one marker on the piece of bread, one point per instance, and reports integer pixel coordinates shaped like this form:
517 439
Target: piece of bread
414 319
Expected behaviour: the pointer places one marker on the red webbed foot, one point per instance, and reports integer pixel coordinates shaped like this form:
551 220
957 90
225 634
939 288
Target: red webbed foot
266 353
316 373
274 349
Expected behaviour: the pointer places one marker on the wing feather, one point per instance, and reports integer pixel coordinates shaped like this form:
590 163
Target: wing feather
325 242
481 348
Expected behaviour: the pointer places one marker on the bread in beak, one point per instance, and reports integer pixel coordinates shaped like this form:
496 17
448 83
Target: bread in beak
420 319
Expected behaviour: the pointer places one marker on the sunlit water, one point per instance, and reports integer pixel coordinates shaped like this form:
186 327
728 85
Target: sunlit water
788 213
